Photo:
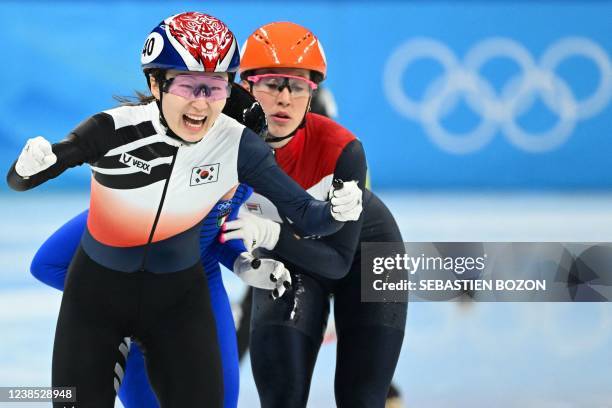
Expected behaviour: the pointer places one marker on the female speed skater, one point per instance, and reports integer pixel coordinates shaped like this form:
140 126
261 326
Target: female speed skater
282 65
50 266
157 170
323 103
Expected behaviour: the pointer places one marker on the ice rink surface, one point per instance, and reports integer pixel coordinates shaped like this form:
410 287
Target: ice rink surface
539 355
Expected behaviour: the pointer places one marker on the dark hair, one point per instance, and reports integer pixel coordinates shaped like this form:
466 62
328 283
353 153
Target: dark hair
142 98
316 77
139 98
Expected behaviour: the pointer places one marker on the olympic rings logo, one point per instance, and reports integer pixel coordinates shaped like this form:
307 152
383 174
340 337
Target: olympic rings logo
498 111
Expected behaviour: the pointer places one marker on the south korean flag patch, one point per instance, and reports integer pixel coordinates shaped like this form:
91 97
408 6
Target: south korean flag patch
208 173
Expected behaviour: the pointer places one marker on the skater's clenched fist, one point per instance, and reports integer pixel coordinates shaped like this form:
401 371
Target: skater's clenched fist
35 157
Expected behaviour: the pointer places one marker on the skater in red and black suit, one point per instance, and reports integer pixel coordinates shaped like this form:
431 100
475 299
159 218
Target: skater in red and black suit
283 65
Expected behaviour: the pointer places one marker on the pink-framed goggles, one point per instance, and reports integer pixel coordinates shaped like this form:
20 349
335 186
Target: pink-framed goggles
194 86
275 83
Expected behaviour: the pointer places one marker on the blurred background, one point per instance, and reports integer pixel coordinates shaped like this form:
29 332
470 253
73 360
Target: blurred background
482 121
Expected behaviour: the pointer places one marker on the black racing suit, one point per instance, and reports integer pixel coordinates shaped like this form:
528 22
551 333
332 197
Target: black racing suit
137 271
286 333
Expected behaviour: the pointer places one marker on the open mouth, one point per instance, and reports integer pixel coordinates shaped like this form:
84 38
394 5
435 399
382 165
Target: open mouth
194 122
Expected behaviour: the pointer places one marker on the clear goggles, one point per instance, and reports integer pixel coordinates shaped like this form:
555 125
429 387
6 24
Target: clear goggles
274 84
191 86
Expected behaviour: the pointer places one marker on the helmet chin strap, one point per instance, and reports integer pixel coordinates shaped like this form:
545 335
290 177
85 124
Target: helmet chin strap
274 139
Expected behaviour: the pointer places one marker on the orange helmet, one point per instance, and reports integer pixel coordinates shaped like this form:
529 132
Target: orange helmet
283 45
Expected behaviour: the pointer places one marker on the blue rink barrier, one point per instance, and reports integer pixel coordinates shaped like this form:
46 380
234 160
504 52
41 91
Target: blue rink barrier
442 94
